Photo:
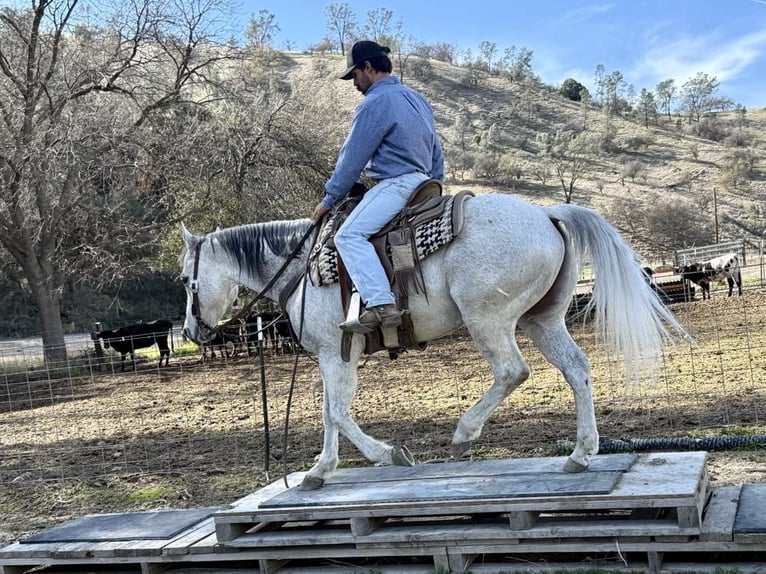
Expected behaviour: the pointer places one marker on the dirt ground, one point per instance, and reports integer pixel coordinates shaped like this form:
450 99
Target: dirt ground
193 435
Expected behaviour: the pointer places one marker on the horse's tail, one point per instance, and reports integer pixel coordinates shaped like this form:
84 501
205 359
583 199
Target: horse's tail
629 316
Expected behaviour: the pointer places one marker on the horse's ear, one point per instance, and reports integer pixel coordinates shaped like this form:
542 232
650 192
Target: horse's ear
188 236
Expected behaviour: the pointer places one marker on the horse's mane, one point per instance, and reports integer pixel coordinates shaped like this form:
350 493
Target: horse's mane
248 245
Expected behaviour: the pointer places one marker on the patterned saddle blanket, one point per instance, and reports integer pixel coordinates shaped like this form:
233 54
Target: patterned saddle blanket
413 235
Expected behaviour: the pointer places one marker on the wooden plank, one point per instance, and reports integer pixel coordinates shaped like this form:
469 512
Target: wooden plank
654 560
181 544
718 521
18 550
363 526
522 520
155 524
663 476
543 530
429 533
690 516
543 465
207 545
232 522
270 566
459 561
750 522
462 488
253 500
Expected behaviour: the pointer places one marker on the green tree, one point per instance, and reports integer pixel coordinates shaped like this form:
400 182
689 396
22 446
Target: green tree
614 85
572 90
647 106
666 94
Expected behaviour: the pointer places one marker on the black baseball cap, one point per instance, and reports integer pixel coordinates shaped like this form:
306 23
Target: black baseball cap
360 52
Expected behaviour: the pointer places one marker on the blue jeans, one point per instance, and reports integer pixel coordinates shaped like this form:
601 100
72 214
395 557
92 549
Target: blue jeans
379 206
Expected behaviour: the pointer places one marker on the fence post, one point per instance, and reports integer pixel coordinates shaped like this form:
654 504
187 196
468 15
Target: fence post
94 332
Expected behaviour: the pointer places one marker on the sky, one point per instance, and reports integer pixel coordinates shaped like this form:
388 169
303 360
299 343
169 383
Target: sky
648 41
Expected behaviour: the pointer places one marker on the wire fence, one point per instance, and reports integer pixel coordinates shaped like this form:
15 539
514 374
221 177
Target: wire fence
202 426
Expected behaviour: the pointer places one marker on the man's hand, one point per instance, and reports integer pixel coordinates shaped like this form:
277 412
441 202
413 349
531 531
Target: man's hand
319 213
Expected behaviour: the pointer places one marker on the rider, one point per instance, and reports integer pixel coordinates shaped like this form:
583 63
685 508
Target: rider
393 141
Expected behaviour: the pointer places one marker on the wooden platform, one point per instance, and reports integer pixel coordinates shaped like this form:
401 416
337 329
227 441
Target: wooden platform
484 516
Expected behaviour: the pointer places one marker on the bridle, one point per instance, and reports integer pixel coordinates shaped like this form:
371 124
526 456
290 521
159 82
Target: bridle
208 330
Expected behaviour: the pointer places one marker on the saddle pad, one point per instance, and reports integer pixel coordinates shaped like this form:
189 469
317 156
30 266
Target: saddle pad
148 525
429 237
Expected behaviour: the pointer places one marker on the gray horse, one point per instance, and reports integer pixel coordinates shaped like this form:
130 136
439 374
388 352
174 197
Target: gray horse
514 264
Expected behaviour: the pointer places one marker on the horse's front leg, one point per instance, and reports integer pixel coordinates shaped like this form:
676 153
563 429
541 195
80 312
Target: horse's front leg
328 459
340 380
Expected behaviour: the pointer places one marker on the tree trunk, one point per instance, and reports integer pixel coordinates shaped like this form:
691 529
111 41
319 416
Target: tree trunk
49 307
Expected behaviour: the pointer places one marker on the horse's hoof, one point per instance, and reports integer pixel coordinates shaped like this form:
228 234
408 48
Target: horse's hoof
401 456
460 448
574 466
311 482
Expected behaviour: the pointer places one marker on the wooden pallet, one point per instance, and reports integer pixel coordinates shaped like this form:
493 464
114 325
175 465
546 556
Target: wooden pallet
528 494
434 517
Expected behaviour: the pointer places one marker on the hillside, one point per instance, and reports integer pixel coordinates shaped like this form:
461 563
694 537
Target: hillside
665 173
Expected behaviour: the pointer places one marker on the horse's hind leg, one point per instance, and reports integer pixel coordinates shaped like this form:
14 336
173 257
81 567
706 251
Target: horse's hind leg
510 370
558 347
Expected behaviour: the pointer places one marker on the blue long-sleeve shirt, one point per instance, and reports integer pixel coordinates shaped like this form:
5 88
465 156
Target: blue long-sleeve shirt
392 133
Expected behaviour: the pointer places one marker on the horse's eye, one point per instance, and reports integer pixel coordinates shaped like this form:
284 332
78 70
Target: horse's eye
184 279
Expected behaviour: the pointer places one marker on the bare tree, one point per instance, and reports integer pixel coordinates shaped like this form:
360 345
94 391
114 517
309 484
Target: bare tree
77 106
697 95
402 46
488 50
445 52
569 152
517 64
378 26
261 30
341 24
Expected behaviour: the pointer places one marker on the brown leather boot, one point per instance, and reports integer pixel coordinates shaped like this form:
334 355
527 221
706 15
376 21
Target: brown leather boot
384 316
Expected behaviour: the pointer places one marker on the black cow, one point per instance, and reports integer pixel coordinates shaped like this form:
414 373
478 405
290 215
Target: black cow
648 274
725 266
277 333
228 337
126 340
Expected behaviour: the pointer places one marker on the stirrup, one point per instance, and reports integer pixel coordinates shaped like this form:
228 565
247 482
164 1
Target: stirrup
352 324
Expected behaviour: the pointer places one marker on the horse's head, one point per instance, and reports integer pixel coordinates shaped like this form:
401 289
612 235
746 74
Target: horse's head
210 290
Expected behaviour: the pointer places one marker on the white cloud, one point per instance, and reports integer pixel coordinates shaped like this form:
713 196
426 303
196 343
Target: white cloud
682 58
579 15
